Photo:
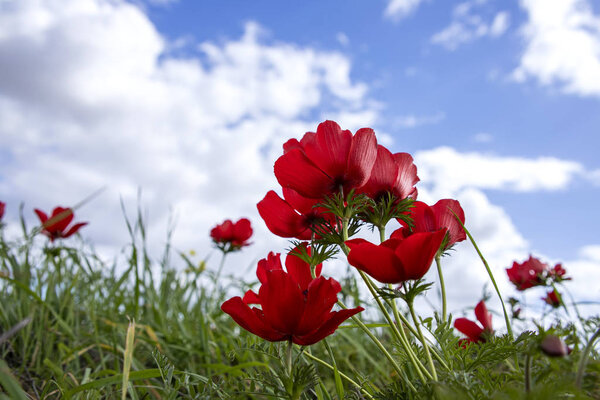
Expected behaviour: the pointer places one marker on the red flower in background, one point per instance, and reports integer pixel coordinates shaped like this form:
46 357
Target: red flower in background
2 207
231 237
527 274
292 216
434 218
397 259
292 308
55 227
557 273
392 173
553 298
323 162
474 332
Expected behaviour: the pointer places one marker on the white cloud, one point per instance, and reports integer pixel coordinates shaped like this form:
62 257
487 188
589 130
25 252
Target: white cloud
413 121
483 137
342 39
90 97
452 171
562 46
398 9
467 26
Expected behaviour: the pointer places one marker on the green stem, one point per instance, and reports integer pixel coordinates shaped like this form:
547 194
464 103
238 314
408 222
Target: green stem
528 373
489 271
288 357
425 345
327 365
220 267
584 357
438 263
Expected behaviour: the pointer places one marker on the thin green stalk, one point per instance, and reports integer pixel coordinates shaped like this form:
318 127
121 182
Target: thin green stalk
220 267
425 345
528 373
288 357
350 381
438 263
489 271
584 357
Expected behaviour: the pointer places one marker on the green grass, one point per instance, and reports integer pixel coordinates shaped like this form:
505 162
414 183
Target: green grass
75 327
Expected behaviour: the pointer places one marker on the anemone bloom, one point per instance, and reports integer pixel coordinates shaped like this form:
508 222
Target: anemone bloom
324 162
2 207
55 227
290 217
229 236
292 307
397 259
527 274
432 218
474 332
552 298
392 173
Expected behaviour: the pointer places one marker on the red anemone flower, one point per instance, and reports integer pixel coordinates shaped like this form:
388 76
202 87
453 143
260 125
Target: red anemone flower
323 162
230 236
55 227
392 173
288 311
292 216
553 298
396 260
474 332
2 207
432 218
527 274
557 273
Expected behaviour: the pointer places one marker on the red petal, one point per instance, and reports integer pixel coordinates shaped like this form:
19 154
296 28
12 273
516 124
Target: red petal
444 215
380 262
417 251
423 218
483 316
59 220
329 149
329 326
280 217
250 297
300 270
295 171
249 320
74 229
242 231
407 178
469 328
302 204
383 175
320 298
271 263
363 154
41 215
282 301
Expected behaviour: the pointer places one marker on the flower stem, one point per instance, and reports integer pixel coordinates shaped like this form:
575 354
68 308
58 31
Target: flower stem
584 357
288 357
220 267
528 373
489 271
425 345
438 263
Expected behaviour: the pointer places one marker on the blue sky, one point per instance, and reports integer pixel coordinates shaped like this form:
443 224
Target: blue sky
459 94
190 101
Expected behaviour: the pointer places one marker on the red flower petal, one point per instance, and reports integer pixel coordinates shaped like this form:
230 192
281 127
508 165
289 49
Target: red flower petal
41 215
280 217
406 177
59 220
249 320
329 149
271 263
383 175
321 296
300 270
417 251
74 229
250 297
469 328
363 154
296 171
483 316
331 324
282 301
444 215
380 262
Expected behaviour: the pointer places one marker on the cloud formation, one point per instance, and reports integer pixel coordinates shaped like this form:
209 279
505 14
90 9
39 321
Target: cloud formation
562 46
468 25
399 9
